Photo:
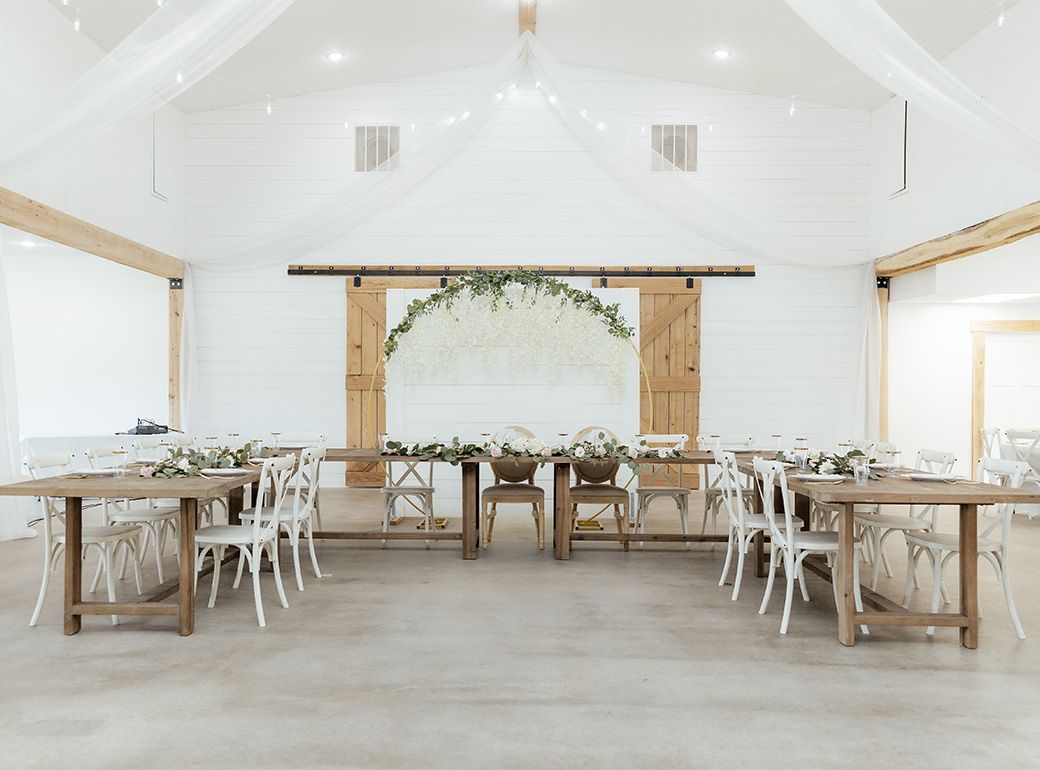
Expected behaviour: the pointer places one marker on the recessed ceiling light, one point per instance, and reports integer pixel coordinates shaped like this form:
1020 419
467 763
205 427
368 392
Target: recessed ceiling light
28 244
334 56
721 53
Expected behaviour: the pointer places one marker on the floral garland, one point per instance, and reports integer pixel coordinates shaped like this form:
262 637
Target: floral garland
601 448
822 462
530 319
190 462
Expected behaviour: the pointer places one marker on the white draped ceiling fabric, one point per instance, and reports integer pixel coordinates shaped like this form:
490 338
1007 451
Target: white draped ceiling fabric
12 509
178 45
862 32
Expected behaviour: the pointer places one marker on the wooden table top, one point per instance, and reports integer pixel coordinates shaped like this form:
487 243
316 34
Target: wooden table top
340 455
70 485
896 489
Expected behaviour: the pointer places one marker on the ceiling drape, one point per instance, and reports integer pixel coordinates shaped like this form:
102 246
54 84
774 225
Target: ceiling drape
174 48
862 32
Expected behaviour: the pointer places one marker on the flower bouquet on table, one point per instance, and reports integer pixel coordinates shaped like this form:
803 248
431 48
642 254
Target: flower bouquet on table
190 462
601 448
826 464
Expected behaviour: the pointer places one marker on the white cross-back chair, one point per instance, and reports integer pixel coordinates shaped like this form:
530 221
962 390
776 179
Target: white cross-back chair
301 520
258 536
151 448
1025 448
993 541
406 484
156 520
716 442
991 440
875 528
789 545
655 473
105 540
743 525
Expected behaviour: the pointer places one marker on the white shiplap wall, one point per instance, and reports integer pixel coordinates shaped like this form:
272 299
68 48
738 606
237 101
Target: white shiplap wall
779 351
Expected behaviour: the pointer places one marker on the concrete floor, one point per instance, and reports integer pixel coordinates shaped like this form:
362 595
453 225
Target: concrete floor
407 658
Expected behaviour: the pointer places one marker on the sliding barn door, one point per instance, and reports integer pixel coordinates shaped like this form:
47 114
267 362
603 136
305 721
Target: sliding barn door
670 346
366 404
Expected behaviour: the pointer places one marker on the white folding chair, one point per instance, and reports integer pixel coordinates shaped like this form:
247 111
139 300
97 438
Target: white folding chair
405 483
253 539
301 521
662 484
715 442
790 545
942 547
876 527
105 540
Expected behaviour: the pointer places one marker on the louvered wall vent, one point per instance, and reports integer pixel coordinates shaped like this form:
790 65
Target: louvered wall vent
673 147
376 148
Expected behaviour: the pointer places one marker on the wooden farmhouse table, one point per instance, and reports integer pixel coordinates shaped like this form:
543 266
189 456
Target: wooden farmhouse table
188 490
893 489
562 534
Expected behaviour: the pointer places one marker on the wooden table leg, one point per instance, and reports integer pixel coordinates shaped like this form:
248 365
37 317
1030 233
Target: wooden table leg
561 510
846 590
970 575
234 505
470 509
73 561
186 589
802 509
759 540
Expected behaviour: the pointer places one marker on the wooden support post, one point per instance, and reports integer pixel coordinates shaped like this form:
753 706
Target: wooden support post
186 587
978 394
528 16
883 292
176 317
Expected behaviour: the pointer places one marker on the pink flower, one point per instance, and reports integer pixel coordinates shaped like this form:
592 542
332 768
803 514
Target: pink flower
496 450
546 452
601 451
147 470
633 452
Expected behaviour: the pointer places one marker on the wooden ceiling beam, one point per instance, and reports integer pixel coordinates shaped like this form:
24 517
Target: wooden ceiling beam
528 15
990 234
41 220
559 271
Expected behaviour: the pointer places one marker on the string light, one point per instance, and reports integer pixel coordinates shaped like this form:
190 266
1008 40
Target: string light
584 114
1000 16
75 24
552 98
346 125
413 126
600 126
711 127
538 84
451 120
790 110
269 104
464 115
180 77
498 96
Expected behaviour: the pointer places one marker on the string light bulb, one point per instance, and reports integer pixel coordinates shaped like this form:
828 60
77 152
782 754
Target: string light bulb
346 125
600 126
552 98
76 24
464 115
498 96
790 110
180 78
268 104
1000 16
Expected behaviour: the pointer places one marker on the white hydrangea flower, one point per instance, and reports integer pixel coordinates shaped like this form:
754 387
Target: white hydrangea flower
827 467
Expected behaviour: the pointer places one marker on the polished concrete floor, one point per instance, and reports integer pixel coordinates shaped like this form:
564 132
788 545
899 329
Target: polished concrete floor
412 658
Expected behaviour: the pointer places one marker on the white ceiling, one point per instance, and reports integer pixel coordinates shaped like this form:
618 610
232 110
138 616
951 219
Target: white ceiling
774 51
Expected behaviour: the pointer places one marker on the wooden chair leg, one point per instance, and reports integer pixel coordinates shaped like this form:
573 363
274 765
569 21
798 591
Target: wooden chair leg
491 521
621 528
484 524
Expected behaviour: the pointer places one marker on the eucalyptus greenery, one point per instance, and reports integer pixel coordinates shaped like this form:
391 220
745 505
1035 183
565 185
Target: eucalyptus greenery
493 283
190 462
600 449
822 462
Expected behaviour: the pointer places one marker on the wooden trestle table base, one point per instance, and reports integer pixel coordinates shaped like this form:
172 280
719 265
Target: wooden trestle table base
894 490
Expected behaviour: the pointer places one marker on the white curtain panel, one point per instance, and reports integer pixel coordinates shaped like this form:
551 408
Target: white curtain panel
174 48
369 193
622 149
12 509
189 354
862 32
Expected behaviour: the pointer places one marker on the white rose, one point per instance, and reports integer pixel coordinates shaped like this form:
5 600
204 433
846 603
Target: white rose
827 467
579 452
601 451
518 445
535 446
183 463
662 453
633 452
